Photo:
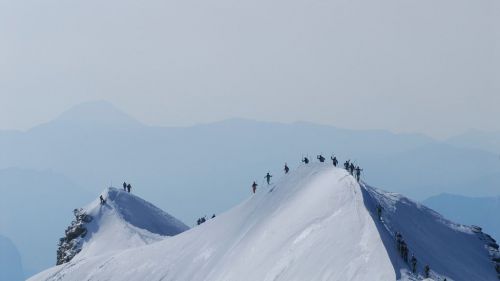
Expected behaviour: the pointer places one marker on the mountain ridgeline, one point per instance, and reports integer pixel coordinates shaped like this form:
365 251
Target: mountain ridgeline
123 218
223 155
315 223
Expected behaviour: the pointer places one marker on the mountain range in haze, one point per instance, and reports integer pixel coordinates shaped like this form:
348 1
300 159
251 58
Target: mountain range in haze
95 145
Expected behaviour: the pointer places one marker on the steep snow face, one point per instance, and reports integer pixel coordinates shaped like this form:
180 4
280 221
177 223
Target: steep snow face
123 222
452 251
315 223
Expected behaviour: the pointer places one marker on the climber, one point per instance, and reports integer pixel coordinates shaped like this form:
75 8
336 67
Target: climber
286 169
334 160
102 200
358 173
399 238
351 169
379 212
413 264
427 271
405 252
254 187
129 187
321 158
124 186
305 160
268 178
346 165
201 220
403 249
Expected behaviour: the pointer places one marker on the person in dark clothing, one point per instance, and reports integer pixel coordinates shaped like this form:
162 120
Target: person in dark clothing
201 220
358 173
213 216
346 165
351 169
305 160
286 169
427 271
402 248
399 239
268 178
102 200
413 264
129 187
124 186
405 251
254 187
334 160
379 212
321 158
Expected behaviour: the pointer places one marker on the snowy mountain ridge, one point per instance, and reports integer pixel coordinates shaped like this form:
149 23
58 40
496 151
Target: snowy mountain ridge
315 223
123 221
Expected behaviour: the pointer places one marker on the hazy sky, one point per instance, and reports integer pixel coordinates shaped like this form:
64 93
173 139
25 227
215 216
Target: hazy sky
430 66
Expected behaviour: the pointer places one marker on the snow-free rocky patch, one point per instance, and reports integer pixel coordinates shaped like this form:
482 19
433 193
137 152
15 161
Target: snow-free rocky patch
315 223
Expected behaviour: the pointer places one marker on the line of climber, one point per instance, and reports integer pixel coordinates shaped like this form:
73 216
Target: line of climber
355 171
403 249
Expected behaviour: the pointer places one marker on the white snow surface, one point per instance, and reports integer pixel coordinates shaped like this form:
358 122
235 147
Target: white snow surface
315 223
124 222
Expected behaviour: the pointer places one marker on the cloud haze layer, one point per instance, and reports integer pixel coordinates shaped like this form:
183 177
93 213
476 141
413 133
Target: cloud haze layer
420 66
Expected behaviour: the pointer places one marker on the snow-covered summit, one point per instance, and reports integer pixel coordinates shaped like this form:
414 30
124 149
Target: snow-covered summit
315 223
124 221
136 212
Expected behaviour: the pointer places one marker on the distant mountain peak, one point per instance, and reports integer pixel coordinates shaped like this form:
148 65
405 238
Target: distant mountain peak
96 113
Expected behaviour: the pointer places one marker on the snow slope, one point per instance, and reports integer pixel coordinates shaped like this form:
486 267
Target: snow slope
316 223
124 222
451 250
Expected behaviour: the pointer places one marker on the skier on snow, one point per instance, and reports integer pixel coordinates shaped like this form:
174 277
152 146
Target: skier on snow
399 239
379 212
254 187
346 165
305 160
268 178
124 186
413 264
102 200
351 169
286 169
321 158
404 251
334 160
427 271
358 173
201 220
129 187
